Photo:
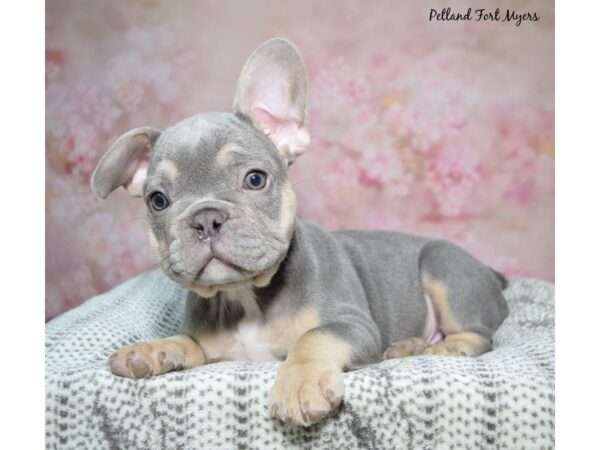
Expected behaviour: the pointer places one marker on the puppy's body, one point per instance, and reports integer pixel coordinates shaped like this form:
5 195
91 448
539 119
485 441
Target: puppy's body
265 286
371 280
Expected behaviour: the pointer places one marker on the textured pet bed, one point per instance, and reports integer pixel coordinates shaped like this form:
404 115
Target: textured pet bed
503 399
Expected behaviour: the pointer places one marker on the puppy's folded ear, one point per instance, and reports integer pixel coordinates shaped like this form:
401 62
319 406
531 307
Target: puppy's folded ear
125 163
273 92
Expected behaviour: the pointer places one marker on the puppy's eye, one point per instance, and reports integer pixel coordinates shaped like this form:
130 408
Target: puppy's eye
158 201
255 180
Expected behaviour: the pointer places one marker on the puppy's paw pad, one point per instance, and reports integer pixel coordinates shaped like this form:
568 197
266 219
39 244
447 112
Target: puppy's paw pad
131 361
144 360
305 393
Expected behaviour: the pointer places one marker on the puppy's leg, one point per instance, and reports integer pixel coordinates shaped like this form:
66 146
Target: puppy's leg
146 359
309 384
467 298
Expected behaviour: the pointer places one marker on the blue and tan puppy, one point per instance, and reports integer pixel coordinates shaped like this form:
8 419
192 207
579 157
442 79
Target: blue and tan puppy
265 286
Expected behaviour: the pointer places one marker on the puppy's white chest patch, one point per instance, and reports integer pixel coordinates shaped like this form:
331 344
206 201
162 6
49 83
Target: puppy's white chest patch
248 343
249 340
253 338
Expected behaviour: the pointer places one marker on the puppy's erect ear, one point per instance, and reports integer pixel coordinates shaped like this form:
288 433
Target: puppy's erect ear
125 163
273 91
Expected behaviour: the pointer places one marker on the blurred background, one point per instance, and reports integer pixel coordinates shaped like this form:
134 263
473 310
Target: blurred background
435 128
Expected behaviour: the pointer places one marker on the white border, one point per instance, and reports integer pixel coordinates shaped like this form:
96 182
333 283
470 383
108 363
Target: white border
577 223
22 224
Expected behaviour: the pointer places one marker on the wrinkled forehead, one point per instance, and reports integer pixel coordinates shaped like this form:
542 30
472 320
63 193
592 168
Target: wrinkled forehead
205 145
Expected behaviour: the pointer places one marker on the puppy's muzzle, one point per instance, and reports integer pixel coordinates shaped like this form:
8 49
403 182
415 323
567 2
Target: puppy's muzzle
208 218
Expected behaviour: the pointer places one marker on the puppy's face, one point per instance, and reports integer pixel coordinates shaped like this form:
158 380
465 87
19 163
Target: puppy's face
220 207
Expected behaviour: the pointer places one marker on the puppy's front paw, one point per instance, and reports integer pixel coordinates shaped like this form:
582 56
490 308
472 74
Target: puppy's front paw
146 359
305 392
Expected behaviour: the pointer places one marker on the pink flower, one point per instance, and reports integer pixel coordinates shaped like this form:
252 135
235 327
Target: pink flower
451 173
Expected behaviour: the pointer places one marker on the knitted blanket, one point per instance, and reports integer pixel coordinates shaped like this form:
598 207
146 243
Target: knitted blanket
502 399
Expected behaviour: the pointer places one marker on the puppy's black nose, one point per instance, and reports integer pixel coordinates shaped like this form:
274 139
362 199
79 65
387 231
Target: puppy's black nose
208 222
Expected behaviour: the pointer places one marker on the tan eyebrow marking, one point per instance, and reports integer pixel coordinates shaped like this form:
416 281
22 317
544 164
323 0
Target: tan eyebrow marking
287 212
223 156
168 169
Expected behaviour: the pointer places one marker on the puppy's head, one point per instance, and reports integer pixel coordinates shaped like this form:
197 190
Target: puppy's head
220 207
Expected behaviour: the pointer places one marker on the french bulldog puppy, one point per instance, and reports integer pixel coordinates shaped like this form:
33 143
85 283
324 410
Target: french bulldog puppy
266 286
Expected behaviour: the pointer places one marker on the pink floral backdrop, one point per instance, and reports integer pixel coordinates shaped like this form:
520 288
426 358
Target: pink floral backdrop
437 128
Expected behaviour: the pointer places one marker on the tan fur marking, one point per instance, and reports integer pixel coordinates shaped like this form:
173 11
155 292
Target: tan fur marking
438 293
206 291
154 244
168 169
287 213
215 343
192 352
466 343
263 279
406 347
318 346
472 343
146 359
279 334
224 153
260 280
285 331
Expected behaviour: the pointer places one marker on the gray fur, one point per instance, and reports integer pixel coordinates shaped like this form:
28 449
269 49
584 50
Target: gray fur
117 166
366 286
475 291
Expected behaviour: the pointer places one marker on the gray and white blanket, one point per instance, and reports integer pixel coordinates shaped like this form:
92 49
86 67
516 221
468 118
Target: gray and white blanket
503 399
